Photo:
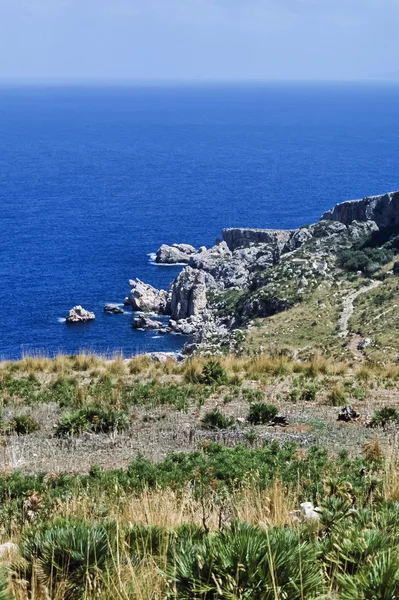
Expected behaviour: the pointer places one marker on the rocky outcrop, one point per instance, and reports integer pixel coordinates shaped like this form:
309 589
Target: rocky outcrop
233 269
236 237
383 210
143 322
188 294
174 254
78 314
145 298
113 309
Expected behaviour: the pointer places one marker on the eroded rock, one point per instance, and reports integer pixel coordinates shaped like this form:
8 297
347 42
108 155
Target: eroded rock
143 322
78 314
174 254
145 298
114 309
188 294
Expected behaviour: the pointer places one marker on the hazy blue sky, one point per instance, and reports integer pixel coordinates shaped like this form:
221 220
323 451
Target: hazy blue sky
199 39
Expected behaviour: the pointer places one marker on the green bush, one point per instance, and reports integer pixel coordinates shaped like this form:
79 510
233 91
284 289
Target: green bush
368 253
92 418
22 425
383 416
4 594
215 419
67 550
261 413
213 373
244 561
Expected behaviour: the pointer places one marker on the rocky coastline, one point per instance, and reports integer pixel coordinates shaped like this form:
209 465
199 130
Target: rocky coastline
250 266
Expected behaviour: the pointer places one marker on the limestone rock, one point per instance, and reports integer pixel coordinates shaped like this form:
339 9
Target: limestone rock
8 550
297 239
78 314
357 229
145 298
383 210
188 294
238 237
162 357
211 260
364 343
176 253
114 309
309 512
143 322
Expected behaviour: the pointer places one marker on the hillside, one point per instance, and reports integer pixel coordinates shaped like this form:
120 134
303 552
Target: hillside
262 464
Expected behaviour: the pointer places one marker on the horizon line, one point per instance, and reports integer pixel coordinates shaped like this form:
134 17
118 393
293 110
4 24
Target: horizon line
153 82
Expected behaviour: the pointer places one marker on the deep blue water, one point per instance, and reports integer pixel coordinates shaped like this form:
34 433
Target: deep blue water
94 179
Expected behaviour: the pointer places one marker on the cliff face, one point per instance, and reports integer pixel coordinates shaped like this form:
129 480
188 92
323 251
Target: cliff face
384 210
237 237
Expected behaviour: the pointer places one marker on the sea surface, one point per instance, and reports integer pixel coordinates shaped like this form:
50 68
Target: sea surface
94 179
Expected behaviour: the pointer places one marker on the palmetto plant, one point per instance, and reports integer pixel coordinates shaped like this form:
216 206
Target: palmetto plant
245 562
4 593
70 553
379 581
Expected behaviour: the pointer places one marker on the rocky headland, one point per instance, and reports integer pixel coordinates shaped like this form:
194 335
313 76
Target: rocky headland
257 273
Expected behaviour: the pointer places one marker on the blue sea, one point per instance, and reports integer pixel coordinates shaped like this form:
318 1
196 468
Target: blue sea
94 179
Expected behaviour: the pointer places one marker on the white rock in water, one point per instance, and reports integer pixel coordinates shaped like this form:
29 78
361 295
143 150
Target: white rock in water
114 309
176 253
143 322
144 297
78 314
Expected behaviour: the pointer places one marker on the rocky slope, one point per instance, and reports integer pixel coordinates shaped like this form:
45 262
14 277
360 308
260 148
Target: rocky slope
256 273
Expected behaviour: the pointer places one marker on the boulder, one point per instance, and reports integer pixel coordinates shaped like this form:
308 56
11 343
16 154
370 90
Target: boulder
174 254
145 298
8 550
114 309
188 294
309 512
143 322
78 314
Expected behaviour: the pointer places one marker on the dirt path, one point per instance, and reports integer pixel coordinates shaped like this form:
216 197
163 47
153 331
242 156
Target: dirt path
348 308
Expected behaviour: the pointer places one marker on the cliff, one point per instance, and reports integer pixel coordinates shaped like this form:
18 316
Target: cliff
383 209
238 237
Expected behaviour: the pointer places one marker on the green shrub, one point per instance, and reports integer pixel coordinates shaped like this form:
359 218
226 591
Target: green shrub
367 254
383 416
143 540
215 419
213 373
4 593
253 395
22 425
376 581
261 413
92 418
244 561
67 550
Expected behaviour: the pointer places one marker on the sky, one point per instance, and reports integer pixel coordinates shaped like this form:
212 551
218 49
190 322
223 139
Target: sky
195 40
